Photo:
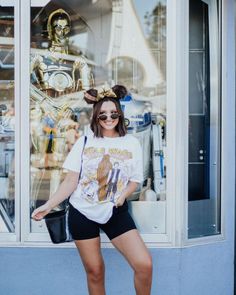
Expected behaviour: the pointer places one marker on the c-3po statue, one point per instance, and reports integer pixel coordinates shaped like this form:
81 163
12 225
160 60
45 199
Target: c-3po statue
58 79
55 70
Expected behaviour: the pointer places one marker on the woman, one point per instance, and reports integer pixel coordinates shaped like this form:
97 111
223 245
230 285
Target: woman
111 171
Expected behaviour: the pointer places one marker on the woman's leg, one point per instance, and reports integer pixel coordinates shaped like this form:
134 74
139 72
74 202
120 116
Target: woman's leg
90 253
131 245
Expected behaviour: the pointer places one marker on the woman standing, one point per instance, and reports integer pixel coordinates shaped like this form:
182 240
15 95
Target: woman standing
111 171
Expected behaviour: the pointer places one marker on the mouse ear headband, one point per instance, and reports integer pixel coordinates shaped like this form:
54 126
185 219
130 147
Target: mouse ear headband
102 92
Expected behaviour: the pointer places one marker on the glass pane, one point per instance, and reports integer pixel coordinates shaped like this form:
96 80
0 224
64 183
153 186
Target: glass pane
75 47
143 55
204 120
7 121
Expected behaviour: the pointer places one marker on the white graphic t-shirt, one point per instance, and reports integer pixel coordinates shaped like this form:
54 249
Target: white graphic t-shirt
109 163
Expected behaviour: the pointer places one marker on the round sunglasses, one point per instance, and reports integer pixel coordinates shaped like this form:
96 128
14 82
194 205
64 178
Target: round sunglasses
104 117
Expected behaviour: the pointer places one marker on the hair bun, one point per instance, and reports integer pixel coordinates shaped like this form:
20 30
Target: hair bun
120 91
90 96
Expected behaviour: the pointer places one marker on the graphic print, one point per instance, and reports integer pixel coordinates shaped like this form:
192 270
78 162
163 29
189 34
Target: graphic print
113 178
102 173
105 174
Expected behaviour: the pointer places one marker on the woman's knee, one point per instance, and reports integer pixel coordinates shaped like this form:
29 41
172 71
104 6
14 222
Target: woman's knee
144 266
95 272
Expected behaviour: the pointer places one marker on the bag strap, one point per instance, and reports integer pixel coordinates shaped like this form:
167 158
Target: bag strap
85 140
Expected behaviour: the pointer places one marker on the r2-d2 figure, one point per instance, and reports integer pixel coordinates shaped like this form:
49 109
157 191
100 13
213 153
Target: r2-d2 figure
149 130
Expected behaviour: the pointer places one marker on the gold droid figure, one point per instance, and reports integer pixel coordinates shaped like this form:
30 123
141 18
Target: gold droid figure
56 71
58 79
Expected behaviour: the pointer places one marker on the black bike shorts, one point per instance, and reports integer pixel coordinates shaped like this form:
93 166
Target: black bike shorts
82 228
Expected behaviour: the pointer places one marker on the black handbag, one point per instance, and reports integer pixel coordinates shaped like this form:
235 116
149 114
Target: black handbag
57 225
57 221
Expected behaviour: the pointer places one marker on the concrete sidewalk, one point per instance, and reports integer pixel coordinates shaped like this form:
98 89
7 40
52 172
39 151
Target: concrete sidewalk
58 271
49 271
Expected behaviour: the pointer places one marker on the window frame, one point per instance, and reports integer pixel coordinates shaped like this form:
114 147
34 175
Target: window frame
217 76
177 141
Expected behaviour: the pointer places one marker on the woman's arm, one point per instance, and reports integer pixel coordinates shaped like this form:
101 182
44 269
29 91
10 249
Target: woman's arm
65 189
131 188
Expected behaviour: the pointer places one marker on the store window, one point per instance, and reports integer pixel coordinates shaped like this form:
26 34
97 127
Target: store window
204 119
7 120
75 47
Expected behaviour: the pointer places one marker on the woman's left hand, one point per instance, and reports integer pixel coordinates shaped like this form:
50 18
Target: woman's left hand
120 201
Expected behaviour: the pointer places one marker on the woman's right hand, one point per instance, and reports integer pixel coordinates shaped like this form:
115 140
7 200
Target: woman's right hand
40 212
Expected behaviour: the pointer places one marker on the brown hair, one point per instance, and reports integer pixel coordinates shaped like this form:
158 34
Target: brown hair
120 92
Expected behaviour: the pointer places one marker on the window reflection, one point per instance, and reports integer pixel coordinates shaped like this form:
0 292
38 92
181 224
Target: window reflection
7 121
75 47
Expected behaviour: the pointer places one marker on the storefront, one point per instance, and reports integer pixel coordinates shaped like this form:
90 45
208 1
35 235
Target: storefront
177 60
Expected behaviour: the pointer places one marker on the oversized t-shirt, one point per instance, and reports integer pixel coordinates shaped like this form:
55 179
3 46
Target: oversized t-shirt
108 164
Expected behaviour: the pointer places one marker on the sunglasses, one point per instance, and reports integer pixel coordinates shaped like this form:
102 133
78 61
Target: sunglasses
104 117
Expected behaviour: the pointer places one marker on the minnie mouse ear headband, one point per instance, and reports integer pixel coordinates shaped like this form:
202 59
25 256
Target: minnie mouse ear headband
94 95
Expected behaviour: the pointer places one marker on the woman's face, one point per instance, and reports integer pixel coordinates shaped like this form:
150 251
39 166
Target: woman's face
107 111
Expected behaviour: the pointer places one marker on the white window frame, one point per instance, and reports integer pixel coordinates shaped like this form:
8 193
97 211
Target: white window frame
177 134
42 238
